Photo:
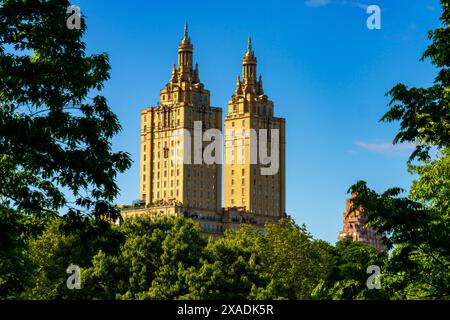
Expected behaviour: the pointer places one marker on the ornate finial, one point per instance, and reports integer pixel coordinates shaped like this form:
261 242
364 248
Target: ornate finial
238 85
249 49
174 74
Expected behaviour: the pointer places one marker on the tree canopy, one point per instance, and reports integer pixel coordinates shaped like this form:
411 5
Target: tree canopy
55 127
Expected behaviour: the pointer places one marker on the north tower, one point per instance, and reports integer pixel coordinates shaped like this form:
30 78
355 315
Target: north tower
250 110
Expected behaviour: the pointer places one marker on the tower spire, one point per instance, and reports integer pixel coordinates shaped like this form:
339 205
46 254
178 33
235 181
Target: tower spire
186 32
249 65
185 56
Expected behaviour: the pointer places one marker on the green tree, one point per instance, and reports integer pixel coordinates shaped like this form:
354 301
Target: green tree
55 129
418 224
151 264
347 279
230 268
13 264
294 263
63 243
280 262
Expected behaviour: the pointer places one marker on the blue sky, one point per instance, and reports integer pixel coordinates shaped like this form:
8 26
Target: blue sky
325 71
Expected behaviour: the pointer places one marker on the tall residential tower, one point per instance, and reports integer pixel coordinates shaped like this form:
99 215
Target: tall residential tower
168 128
251 111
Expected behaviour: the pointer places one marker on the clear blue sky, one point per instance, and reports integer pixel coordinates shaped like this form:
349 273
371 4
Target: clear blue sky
325 71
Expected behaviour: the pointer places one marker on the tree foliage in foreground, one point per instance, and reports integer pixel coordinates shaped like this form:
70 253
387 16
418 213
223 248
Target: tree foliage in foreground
55 129
168 258
418 224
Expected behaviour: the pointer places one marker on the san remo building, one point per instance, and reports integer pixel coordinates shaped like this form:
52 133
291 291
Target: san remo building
184 147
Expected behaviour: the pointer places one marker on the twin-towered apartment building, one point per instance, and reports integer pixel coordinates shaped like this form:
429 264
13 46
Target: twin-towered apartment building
181 151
